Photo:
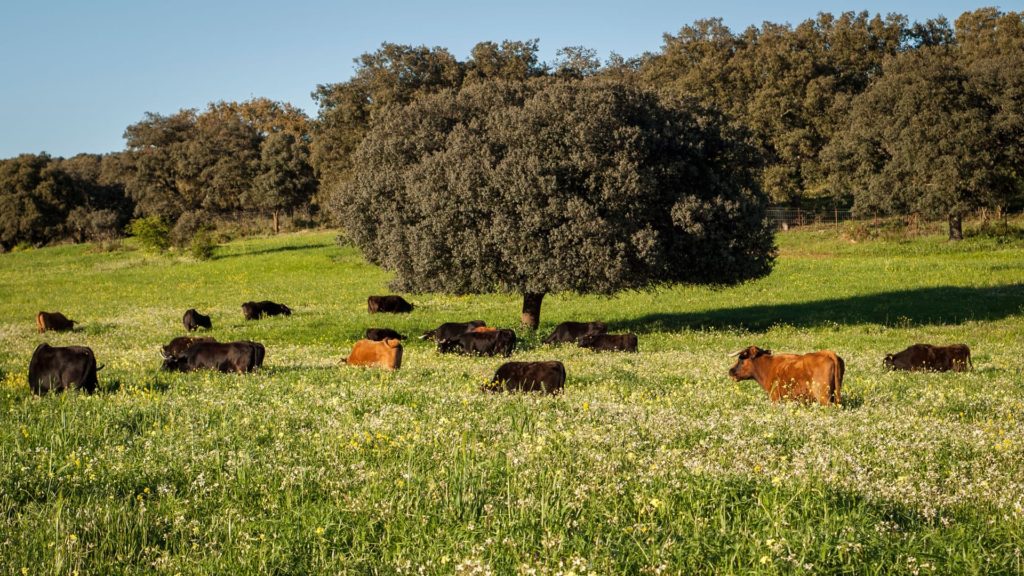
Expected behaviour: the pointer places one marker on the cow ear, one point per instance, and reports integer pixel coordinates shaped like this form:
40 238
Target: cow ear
764 352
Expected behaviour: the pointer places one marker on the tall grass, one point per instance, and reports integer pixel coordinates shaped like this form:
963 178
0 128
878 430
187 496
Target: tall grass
649 463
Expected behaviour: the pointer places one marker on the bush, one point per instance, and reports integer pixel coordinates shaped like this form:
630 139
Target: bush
188 225
999 230
202 245
152 232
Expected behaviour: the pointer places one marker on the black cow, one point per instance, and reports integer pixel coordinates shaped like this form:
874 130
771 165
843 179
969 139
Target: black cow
572 331
609 342
54 321
378 334
392 304
956 357
500 341
451 330
223 356
181 344
257 310
548 377
193 320
56 368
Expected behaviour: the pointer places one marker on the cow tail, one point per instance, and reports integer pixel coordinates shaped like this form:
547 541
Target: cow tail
837 381
39 323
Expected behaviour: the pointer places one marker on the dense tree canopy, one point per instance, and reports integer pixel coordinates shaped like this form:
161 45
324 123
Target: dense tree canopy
547 186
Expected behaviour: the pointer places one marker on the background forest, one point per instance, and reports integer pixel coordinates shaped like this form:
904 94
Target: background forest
880 115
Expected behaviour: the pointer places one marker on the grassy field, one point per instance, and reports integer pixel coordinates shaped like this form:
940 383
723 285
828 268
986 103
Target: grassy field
654 463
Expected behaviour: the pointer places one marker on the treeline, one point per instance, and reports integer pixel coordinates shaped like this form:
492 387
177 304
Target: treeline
878 114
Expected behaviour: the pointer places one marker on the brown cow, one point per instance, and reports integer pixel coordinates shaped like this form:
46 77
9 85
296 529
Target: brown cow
814 377
485 329
54 321
386 353
956 357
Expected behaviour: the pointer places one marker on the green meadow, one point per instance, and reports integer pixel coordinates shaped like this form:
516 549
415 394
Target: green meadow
649 463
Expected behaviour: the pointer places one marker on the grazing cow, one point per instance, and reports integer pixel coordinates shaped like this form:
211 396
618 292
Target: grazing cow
193 320
572 331
223 356
451 330
814 377
548 377
56 368
956 357
257 310
386 353
378 334
501 341
608 342
392 304
178 346
54 321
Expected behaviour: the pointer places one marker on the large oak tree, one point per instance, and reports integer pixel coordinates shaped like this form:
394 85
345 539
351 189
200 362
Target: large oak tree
549 185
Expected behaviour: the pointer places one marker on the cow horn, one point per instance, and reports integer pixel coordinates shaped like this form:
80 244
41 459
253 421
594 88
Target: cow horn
102 366
736 353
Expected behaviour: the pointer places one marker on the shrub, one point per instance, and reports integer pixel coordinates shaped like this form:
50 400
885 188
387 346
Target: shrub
999 230
202 245
152 232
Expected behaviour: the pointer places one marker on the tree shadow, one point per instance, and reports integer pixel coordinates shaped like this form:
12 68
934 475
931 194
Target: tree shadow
276 249
923 306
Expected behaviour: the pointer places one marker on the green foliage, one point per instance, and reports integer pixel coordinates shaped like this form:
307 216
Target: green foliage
202 245
307 467
999 230
152 232
588 186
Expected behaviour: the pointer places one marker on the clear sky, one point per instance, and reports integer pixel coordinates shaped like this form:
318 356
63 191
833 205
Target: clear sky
77 72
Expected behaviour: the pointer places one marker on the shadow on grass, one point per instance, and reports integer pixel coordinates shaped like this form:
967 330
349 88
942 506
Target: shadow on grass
939 305
263 251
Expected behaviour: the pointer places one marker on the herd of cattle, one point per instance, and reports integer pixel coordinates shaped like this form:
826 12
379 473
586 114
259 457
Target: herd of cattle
813 377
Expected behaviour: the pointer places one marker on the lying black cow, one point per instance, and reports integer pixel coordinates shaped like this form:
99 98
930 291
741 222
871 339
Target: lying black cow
379 334
500 341
257 310
194 320
451 330
54 321
609 342
572 331
223 356
392 304
181 344
548 377
56 368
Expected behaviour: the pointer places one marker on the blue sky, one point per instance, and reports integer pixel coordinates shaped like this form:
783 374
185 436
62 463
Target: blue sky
76 73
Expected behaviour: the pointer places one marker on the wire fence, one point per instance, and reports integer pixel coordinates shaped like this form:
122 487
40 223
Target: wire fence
784 218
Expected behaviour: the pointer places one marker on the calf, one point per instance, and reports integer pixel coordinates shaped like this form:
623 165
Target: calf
450 330
956 357
178 346
817 376
257 310
572 331
483 343
609 342
386 353
56 368
54 321
378 334
392 304
223 356
193 320
547 377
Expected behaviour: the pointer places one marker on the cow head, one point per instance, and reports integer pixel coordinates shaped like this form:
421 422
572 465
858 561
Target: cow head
744 368
175 364
889 363
447 346
286 310
586 341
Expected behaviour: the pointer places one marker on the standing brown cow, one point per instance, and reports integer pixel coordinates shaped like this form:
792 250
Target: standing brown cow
54 321
814 377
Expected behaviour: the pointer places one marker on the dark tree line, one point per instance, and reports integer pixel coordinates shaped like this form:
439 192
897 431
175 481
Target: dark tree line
880 114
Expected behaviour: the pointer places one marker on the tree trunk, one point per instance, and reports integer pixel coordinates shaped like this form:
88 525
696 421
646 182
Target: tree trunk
531 309
277 226
956 230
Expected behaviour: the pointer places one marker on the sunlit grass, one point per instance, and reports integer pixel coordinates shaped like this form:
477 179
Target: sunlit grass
649 463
